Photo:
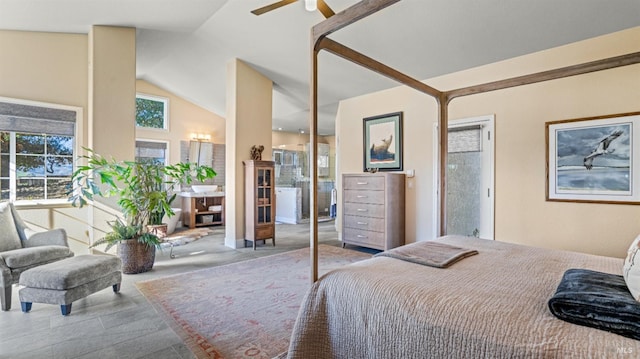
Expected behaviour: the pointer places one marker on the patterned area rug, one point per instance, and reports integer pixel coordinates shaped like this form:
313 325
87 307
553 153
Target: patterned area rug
241 310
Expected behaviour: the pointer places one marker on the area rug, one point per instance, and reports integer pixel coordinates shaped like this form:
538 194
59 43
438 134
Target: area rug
241 310
183 237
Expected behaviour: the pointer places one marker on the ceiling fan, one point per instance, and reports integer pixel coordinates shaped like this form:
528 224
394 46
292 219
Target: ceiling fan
310 5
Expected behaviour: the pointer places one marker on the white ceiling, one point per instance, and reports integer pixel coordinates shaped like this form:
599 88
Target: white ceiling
183 45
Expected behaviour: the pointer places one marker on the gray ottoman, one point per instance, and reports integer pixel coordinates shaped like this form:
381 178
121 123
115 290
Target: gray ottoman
70 279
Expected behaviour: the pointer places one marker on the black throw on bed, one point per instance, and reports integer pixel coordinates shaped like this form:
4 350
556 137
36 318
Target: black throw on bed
598 300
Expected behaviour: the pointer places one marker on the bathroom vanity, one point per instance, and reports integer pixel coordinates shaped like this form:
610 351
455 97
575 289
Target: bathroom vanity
202 209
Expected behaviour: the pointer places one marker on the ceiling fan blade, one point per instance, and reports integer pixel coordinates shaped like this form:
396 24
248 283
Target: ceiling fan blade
273 6
325 9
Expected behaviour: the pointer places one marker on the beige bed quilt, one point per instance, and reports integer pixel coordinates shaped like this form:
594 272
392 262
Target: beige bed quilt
490 305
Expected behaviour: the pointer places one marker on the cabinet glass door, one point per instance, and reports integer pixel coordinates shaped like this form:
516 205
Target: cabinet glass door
263 199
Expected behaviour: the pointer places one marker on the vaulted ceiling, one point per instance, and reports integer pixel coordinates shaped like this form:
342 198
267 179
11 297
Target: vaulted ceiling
183 46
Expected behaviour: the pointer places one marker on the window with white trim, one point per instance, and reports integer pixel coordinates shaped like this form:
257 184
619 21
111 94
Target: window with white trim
152 112
36 152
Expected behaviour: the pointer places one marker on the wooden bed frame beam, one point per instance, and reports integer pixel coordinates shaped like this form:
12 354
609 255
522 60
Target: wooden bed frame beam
347 17
373 65
554 74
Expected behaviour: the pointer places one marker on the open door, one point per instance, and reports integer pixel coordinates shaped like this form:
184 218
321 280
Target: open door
470 177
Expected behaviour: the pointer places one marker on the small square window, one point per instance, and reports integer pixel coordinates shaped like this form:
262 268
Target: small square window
152 112
152 151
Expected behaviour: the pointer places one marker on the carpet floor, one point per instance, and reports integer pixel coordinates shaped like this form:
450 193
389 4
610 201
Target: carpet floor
241 310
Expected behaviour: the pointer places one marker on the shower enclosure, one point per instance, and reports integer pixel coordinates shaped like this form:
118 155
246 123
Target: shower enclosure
292 182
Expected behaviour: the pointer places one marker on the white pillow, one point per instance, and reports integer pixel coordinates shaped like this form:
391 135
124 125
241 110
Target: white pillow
631 269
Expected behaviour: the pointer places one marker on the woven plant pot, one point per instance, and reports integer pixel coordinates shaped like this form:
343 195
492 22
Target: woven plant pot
136 257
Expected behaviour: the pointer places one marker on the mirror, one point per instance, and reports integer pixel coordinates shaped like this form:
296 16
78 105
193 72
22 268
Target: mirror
201 153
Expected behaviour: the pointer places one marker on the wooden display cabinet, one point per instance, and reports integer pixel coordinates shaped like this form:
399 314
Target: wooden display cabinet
197 211
260 201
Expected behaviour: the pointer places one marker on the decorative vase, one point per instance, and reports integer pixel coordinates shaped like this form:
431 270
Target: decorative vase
136 257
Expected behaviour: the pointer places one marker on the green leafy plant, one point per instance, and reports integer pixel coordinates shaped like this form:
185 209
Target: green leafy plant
121 231
145 191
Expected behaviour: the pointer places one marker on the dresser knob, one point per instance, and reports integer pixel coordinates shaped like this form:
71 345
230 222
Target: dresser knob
363 183
361 210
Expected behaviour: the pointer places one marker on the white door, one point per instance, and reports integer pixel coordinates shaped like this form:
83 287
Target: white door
470 177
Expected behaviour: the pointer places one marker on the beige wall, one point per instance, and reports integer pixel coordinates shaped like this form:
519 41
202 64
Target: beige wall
49 68
46 67
522 214
185 118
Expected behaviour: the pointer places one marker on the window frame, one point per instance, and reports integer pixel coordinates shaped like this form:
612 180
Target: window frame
165 101
78 144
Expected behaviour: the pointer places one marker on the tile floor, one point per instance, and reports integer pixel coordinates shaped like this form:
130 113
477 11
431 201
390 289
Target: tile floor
107 325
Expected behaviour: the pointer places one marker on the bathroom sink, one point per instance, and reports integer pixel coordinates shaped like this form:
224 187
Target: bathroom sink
204 188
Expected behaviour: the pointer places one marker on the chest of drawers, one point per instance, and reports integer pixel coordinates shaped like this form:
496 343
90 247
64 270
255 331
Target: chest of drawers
373 210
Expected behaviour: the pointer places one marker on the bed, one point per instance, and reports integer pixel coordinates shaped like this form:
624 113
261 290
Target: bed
492 304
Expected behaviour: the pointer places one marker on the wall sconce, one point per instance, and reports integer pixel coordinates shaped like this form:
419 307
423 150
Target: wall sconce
200 137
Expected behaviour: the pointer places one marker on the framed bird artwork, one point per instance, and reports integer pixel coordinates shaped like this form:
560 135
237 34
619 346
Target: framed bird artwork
382 145
594 159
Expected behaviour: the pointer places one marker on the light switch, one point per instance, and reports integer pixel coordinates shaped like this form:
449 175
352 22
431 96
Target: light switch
411 173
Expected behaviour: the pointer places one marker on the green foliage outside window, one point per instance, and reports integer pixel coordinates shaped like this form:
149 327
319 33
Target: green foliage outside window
43 165
150 113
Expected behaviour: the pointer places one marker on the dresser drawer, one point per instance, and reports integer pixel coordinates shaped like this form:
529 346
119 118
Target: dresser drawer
363 182
354 196
365 238
366 223
364 210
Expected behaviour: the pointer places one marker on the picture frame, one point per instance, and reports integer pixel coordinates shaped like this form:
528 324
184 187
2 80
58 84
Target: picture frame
594 159
382 143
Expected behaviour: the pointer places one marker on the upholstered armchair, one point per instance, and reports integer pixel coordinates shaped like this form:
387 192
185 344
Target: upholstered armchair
22 248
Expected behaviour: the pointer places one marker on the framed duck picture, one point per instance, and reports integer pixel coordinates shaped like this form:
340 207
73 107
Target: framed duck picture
594 159
382 145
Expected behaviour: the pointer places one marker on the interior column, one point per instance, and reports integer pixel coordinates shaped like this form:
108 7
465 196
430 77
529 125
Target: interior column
112 91
248 123
111 103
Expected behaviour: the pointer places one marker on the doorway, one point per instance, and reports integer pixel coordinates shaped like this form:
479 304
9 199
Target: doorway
470 177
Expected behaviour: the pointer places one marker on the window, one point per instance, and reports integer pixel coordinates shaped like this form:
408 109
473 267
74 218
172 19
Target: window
154 151
152 112
36 152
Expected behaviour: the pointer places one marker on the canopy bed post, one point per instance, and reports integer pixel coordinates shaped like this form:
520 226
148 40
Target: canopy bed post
313 161
443 148
319 33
